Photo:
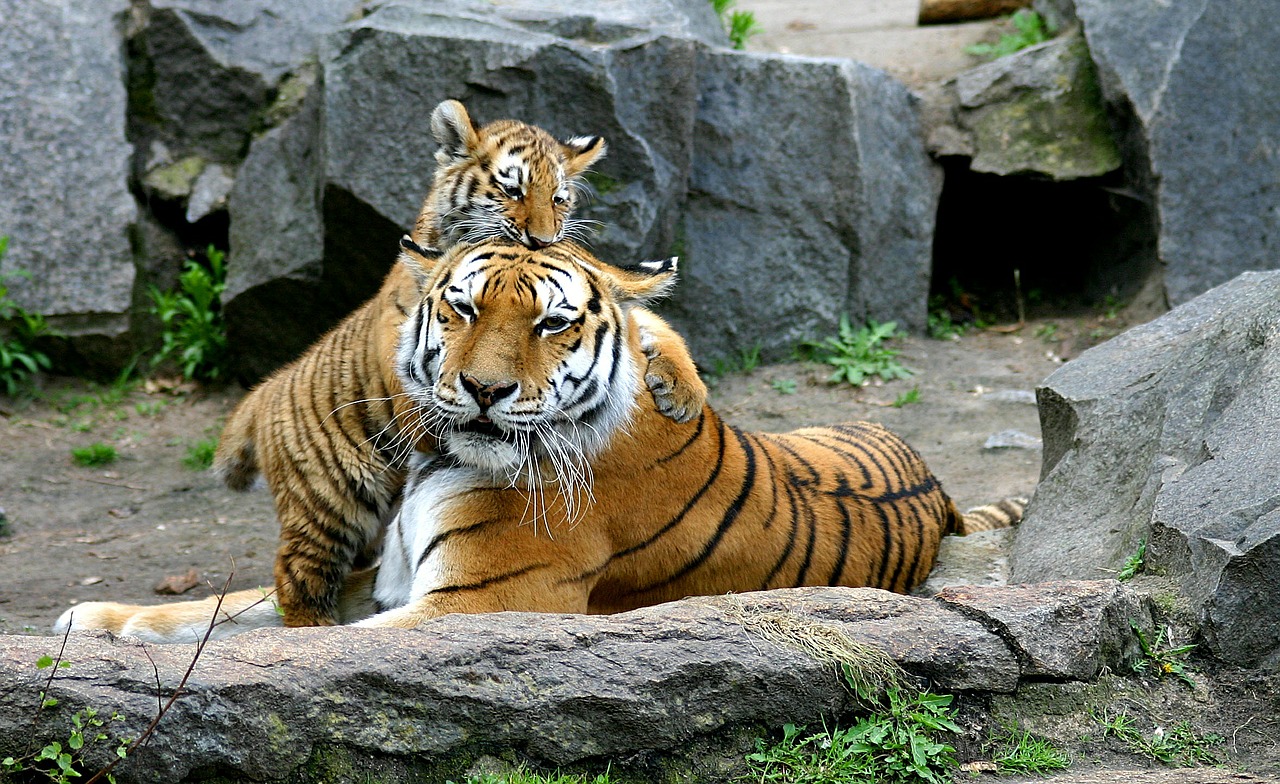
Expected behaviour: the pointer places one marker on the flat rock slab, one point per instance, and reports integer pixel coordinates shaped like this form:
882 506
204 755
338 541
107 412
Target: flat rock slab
559 688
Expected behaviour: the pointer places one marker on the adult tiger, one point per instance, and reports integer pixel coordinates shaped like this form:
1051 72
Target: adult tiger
558 486
328 432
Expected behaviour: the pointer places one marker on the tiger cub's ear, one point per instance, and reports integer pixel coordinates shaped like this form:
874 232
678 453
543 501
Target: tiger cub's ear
645 281
453 128
420 260
580 152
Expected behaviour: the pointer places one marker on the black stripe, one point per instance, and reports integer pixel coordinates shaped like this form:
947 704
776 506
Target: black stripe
441 537
489 581
791 539
715 472
846 528
726 522
702 416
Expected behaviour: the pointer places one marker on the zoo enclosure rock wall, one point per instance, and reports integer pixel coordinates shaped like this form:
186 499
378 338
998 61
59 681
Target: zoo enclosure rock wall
1171 432
299 133
276 705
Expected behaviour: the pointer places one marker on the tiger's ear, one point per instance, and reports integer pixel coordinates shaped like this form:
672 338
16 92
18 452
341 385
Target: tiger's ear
645 281
580 152
421 261
453 128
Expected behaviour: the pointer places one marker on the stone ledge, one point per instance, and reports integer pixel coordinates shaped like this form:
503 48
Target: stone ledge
559 688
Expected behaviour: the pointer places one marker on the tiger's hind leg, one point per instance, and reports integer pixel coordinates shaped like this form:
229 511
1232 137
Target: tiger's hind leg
678 390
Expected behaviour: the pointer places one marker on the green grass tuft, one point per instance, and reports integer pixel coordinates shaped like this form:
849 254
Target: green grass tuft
200 454
1029 29
94 455
194 335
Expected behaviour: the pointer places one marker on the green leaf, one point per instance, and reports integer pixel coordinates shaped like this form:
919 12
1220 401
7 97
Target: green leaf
44 662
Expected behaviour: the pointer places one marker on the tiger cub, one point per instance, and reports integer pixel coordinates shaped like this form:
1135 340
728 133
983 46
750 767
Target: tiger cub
329 432
528 366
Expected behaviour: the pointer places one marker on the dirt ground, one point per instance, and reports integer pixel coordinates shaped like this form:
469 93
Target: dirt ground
115 532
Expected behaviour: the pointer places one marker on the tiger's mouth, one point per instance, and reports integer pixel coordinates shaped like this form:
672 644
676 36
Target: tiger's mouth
484 426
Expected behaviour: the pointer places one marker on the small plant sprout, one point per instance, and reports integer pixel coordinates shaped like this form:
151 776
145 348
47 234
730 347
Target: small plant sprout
784 386
740 25
1029 29
907 398
94 455
20 360
200 454
194 334
1134 563
1161 656
858 354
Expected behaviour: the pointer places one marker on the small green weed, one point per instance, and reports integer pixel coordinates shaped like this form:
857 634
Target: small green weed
1178 745
61 761
1048 333
149 408
898 744
907 398
94 454
784 386
1029 29
20 360
740 25
858 354
1020 752
746 361
194 334
1163 657
200 454
1134 563
941 327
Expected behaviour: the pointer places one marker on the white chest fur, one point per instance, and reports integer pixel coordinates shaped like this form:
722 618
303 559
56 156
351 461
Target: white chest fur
414 562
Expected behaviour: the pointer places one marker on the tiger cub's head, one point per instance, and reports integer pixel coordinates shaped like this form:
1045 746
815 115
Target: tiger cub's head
505 179
520 356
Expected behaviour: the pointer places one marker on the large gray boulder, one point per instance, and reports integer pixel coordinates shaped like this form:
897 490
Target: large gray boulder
780 199
64 162
811 196
634 689
1171 432
1037 112
1195 80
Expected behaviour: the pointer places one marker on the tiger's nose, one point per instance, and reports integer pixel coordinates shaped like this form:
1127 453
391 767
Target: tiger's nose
535 242
486 395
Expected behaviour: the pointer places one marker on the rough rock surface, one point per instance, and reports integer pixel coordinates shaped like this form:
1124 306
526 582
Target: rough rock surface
64 162
1194 77
560 688
1039 111
810 196
215 64
1165 432
736 136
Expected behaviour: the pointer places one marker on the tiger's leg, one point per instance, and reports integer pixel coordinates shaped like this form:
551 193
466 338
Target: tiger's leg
239 612
678 390
514 595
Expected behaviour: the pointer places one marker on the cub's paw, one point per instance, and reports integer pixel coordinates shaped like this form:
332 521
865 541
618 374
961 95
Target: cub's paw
678 391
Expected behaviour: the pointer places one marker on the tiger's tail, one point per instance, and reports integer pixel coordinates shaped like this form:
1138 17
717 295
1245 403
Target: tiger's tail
236 460
1001 514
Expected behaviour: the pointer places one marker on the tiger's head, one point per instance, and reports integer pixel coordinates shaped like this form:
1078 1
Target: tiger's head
505 179
521 357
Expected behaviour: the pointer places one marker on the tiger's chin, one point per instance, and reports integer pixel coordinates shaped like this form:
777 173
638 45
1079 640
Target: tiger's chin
486 451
